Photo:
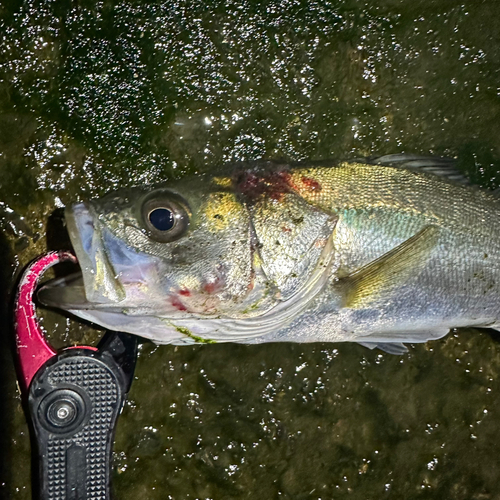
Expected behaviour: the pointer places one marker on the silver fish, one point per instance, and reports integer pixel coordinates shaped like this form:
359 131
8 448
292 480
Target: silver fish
398 249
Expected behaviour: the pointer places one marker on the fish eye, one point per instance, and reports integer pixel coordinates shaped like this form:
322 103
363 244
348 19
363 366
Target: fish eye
164 216
162 219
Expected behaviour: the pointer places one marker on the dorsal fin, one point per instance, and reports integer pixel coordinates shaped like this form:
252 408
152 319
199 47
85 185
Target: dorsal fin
443 167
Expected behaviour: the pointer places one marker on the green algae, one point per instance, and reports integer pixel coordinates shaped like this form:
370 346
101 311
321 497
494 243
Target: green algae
190 334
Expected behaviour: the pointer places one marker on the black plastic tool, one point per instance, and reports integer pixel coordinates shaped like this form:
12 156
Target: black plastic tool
74 398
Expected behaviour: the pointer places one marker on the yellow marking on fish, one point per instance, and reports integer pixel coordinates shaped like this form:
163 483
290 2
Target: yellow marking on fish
224 182
112 291
351 185
189 283
221 210
100 273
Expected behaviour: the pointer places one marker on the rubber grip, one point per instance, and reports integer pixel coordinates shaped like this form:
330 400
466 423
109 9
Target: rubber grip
74 401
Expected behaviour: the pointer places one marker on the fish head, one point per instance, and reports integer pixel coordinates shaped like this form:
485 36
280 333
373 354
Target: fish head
200 251
172 251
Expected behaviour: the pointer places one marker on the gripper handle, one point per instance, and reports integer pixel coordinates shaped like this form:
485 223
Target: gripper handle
74 401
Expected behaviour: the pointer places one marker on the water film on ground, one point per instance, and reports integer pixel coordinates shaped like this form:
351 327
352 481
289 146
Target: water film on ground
100 94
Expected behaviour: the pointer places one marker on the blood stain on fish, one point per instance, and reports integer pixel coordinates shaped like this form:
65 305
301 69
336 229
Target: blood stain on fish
311 184
178 304
272 184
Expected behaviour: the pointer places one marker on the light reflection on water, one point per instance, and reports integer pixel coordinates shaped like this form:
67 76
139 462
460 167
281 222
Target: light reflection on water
99 95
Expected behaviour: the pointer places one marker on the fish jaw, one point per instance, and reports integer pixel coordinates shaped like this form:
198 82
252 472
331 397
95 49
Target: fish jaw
114 278
100 281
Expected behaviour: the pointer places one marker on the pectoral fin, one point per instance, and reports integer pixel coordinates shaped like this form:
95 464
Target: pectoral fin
392 269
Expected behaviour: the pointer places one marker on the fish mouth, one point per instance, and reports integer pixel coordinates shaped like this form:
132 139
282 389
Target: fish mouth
97 285
67 292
